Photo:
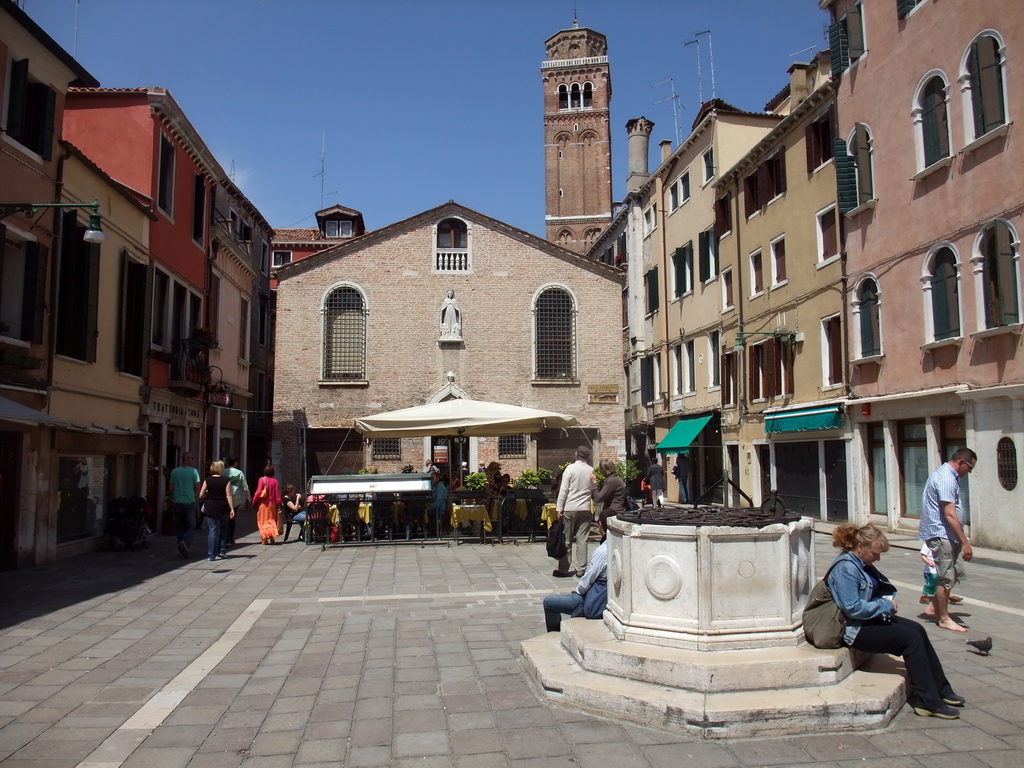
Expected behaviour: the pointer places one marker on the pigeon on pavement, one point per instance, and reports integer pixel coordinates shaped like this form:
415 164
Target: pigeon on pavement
983 644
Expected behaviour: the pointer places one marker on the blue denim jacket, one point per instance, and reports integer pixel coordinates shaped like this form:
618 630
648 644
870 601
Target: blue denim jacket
856 595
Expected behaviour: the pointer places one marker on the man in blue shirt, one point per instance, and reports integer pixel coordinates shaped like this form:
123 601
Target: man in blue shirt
942 529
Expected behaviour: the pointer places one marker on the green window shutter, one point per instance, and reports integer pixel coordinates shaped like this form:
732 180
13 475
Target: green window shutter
652 290
986 78
846 178
704 255
837 46
48 104
903 7
679 270
855 32
945 297
34 293
869 320
16 100
92 256
1005 277
934 122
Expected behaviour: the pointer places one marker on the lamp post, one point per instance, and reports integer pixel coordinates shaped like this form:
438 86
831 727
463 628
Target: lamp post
94 233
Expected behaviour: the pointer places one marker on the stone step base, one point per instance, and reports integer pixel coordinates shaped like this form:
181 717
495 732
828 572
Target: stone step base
596 649
868 698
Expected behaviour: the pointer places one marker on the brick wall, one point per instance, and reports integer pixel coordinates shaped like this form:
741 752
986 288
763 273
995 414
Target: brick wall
406 365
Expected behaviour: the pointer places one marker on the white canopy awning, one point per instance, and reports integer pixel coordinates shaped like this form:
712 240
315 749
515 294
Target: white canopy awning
472 418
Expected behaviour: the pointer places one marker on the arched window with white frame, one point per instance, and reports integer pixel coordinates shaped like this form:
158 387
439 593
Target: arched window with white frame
554 318
860 146
868 320
931 120
563 96
940 281
344 334
982 82
997 275
588 95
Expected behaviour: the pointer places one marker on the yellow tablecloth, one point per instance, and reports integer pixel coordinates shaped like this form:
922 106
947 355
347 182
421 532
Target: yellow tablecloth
334 514
521 509
365 509
548 515
465 512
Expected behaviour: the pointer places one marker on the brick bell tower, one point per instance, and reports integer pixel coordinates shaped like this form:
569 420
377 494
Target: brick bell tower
577 137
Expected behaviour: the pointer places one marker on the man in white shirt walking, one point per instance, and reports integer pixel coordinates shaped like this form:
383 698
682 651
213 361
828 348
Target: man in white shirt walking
574 505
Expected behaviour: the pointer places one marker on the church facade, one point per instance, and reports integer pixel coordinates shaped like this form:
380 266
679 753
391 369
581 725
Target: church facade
449 303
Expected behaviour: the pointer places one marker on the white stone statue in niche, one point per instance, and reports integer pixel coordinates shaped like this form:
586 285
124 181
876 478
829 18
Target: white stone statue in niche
451 318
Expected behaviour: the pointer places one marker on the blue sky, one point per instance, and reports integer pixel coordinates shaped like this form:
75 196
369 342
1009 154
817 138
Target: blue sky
417 101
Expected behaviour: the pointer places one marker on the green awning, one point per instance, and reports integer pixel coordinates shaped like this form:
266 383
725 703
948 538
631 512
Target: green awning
683 433
804 419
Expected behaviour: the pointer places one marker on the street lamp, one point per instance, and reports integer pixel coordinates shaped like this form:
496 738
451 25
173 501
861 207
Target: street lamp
94 234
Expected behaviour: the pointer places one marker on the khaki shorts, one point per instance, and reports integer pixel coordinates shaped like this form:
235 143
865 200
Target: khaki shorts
948 567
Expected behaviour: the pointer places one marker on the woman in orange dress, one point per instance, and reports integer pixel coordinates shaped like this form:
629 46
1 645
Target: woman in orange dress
267 499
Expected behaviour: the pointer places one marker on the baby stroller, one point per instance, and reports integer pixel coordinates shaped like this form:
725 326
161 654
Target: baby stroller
126 525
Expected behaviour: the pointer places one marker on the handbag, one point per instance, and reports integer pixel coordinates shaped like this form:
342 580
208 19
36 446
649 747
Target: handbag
631 505
823 621
596 599
556 540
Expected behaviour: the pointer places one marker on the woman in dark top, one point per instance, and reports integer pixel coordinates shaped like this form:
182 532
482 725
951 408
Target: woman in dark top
293 511
613 490
218 509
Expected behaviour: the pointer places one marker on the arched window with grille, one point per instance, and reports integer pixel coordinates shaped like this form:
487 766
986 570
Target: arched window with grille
555 335
344 335
1000 286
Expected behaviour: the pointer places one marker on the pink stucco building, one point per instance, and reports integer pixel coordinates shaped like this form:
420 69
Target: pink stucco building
927 94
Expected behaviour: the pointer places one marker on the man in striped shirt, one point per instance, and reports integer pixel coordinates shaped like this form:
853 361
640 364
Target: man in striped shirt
942 529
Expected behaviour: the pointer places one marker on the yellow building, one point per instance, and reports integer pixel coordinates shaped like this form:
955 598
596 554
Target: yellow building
101 357
783 362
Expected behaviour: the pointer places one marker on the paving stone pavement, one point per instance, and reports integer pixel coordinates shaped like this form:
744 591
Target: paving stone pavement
399 655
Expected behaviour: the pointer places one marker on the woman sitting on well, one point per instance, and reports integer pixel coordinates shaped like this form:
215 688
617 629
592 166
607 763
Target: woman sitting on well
868 601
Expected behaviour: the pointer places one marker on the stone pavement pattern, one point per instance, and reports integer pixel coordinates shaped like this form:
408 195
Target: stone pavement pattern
398 656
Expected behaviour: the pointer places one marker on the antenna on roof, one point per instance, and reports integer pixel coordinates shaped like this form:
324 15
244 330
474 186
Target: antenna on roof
323 154
74 49
711 57
232 174
676 105
700 80
803 50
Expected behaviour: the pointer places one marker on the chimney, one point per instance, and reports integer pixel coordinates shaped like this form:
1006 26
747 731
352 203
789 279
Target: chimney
799 84
639 130
666 149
